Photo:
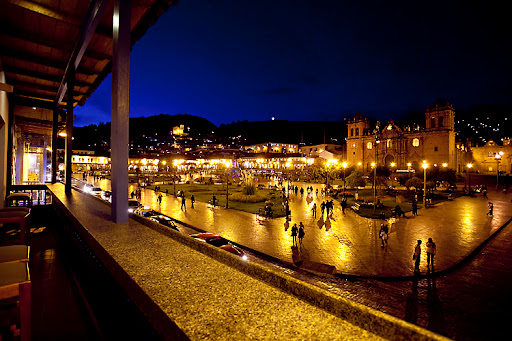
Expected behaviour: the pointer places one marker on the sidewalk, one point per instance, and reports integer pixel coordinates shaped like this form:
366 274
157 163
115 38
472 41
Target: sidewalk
350 242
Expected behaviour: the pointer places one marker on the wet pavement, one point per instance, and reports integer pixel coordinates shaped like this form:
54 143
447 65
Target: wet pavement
347 241
468 302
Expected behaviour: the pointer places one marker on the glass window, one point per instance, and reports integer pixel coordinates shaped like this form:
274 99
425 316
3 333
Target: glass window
369 145
357 131
416 142
388 143
352 132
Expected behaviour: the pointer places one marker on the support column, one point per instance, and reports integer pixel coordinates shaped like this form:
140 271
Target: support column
55 132
69 129
120 110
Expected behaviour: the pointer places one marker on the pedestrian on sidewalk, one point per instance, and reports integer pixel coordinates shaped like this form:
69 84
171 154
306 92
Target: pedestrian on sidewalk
343 205
383 235
431 251
322 208
294 234
416 256
414 207
316 191
159 199
192 201
314 210
183 206
214 200
301 232
491 209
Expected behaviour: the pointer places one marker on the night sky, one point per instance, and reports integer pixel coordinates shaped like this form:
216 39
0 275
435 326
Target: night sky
230 60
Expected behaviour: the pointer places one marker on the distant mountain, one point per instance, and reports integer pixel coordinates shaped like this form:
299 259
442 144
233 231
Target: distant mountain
97 137
308 132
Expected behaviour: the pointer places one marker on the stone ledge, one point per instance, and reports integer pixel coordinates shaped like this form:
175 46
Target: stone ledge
368 319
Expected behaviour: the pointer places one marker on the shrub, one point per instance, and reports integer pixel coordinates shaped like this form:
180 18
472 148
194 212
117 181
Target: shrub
240 197
414 182
249 188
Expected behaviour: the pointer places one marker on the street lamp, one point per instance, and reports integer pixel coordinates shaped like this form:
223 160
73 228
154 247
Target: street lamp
498 158
175 164
425 166
469 165
344 165
227 164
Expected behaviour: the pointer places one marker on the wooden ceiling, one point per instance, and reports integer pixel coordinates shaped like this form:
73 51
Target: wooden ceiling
39 39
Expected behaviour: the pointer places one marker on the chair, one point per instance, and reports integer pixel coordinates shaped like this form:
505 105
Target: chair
15 285
16 198
17 215
14 253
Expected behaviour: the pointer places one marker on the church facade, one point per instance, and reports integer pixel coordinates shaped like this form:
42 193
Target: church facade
406 148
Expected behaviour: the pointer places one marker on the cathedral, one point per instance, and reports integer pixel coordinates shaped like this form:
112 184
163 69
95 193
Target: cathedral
405 148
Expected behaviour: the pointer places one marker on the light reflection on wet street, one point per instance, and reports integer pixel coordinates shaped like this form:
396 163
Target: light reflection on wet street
348 241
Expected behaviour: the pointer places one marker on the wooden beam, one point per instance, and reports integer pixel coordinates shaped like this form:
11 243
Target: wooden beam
21 34
36 86
5 87
36 59
36 95
90 24
51 13
38 75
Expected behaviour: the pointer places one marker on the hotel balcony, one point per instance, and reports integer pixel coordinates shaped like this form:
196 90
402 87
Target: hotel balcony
94 271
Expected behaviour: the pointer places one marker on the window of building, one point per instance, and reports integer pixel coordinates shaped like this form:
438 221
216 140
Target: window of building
352 132
435 149
369 145
416 142
388 143
441 121
357 131
433 122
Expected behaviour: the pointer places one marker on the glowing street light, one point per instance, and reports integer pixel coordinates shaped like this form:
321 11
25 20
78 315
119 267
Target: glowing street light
425 166
344 165
469 165
498 158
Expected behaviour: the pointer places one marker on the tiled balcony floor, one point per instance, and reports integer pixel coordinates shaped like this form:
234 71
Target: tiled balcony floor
57 311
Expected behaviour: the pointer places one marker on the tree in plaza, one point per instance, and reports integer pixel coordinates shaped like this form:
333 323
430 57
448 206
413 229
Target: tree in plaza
414 182
356 179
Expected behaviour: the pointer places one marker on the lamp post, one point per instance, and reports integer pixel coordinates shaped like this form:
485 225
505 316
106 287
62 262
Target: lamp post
227 164
376 132
498 158
344 165
425 166
469 165
175 164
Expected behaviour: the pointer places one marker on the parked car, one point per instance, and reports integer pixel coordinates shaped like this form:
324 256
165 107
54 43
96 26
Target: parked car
164 221
220 242
96 191
107 196
133 204
144 211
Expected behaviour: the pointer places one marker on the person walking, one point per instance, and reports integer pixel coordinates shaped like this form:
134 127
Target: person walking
322 208
301 192
416 256
294 234
343 205
314 210
431 251
491 209
159 199
183 206
414 207
192 201
316 192
383 235
301 232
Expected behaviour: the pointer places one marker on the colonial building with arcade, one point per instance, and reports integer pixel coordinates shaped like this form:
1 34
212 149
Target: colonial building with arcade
406 148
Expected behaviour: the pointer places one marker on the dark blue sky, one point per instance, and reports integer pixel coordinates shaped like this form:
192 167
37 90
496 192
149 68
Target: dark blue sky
229 60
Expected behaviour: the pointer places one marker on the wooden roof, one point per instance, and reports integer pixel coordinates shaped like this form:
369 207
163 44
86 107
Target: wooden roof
40 38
